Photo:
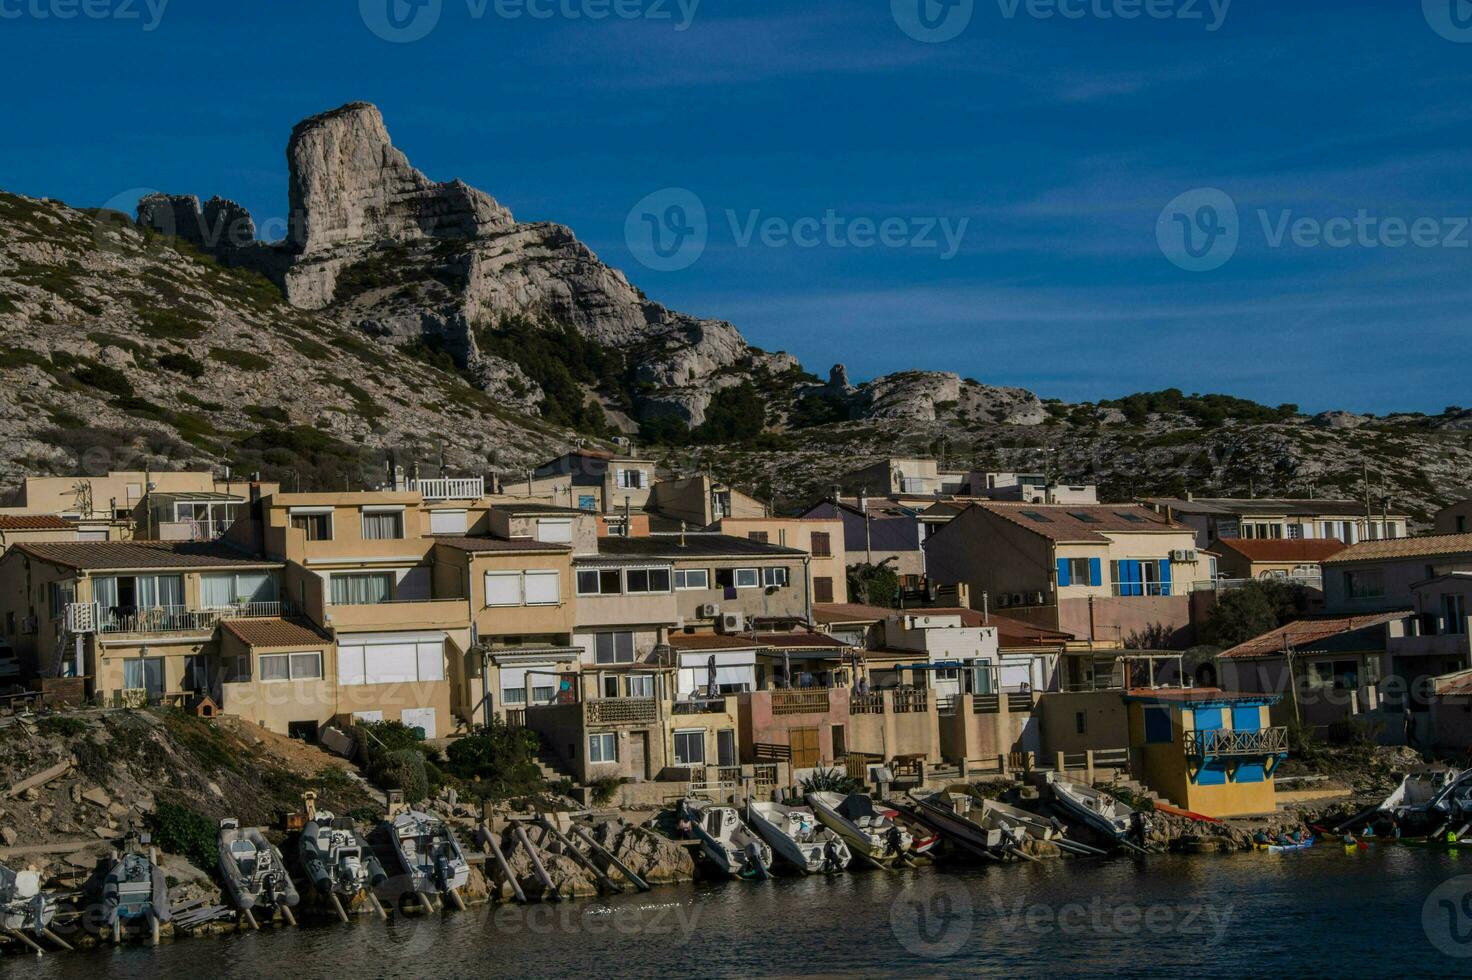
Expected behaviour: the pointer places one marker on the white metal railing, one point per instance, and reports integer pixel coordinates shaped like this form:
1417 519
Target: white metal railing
90 617
451 488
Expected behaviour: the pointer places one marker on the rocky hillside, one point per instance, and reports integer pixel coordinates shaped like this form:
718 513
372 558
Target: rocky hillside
405 315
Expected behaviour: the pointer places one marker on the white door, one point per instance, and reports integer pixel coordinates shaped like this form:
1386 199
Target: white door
419 718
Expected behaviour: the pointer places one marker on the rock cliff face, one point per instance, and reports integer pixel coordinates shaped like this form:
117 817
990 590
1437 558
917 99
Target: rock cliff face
382 247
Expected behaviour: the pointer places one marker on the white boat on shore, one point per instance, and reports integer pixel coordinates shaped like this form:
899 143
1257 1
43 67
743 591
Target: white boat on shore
798 838
1100 812
23 906
429 853
731 845
872 834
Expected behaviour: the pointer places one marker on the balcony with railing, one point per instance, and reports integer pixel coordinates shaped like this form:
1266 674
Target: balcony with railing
1233 584
450 488
700 706
87 617
621 711
809 701
867 703
1219 742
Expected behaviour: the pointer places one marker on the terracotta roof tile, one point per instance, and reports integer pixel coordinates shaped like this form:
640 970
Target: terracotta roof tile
487 545
1305 631
276 632
1283 549
1081 522
34 522
1427 546
124 555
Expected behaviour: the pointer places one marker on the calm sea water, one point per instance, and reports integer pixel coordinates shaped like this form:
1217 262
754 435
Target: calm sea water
1323 912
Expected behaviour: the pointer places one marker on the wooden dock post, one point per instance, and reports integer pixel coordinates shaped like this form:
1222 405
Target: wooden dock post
456 900
520 834
583 835
377 905
286 911
425 901
342 913
153 926
250 918
22 937
580 857
489 843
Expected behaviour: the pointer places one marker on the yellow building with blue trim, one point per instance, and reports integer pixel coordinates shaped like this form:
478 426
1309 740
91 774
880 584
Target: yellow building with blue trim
1208 751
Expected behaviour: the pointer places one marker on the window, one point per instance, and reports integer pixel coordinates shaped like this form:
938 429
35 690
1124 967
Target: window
1077 571
144 674
822 588
690 747
632 479
217 591
641 686
1135 577
912 484
774 578
1130 516
587 501
758 536
543 588
1033 515
1158 728
648 579
726 745
596 581
384 526
388 662
447 522
692 578
821 545
613 648
503 588
1367 584
543 693
554 532
290 667
1084 517
747 578
1454 609
513 695
603 747
1081 722
362 588
130 592
1295 532
317 527
1461 524
610 686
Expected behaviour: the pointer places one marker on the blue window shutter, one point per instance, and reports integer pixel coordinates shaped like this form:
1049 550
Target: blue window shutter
1133 576
1064 579
1165 577
1246 719
1096 572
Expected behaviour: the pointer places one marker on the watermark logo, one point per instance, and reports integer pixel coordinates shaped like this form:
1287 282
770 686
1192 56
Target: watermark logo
1199 230
933 21
933 918
1452 19
1447 917
401 21
147 13
667 231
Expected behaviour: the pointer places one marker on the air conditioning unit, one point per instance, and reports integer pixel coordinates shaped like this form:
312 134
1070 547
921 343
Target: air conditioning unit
733 623
1004 600
1186 557
709 611
1038 598
1018 599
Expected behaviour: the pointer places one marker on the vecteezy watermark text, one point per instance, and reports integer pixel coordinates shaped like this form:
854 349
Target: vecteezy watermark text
935 21
405 21
669 230
1202 229
149 13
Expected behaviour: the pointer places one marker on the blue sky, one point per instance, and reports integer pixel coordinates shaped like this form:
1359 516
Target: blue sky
1058 141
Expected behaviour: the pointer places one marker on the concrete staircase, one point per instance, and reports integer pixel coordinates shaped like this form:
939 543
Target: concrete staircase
1139 789
551 766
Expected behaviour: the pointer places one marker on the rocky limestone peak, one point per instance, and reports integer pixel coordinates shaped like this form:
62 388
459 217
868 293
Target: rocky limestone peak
838 378
348 183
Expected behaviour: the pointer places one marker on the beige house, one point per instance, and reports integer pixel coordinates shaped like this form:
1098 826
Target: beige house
591 480
1455 518
821 538
18 528
1286 559
1101 573
1230 518
139 620
700 502
156 506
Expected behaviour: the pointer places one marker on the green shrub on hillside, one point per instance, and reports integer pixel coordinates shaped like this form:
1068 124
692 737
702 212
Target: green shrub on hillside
181 364
179 830
244 360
